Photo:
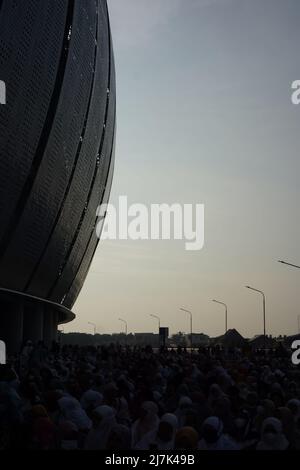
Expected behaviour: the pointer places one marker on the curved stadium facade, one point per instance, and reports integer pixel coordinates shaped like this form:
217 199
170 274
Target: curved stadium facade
56 157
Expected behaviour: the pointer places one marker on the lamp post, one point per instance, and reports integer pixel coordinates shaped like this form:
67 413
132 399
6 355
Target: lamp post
94 325
226 311
289 264
125 323
264 309
293 266
191 325
158 319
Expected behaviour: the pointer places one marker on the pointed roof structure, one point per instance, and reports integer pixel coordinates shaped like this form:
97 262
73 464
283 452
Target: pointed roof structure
231 339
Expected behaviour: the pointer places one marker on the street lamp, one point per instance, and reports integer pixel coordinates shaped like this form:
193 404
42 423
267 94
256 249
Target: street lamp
226 311
125 323
298 267
289 264
191 324
264 309
158 319
95 326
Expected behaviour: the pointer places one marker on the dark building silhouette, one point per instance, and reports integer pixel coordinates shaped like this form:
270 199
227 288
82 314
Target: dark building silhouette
231 339
56 157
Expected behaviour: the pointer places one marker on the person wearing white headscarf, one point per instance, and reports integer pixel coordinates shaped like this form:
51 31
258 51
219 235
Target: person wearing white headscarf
213 437
104 419
163 438
272 437
91 399
294 406
72 411
184 405
147 422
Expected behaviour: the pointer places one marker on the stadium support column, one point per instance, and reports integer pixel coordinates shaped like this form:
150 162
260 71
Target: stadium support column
55 320
11 325
33 322
50 325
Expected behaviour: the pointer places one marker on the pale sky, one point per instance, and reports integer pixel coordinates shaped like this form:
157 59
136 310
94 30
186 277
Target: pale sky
204 115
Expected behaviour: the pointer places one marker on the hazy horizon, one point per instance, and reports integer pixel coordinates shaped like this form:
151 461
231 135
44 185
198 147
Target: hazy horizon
204 115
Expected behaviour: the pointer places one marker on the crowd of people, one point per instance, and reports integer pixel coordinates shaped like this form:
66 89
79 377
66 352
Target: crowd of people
115 398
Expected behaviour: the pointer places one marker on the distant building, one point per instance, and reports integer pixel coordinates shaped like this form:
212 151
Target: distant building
199 339
259 342
143 339
231 339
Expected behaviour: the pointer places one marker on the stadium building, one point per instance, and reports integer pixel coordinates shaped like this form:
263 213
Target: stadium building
57 132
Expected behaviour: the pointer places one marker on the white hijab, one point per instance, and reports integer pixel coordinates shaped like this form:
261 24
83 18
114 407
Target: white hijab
223 442
185 403
172 420
148 423
91 399
275 440
72 411
98 436
152 437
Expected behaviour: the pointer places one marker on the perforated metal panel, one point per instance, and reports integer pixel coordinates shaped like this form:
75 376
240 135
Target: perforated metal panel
61 240
31 38
87 223
87 258
56 140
